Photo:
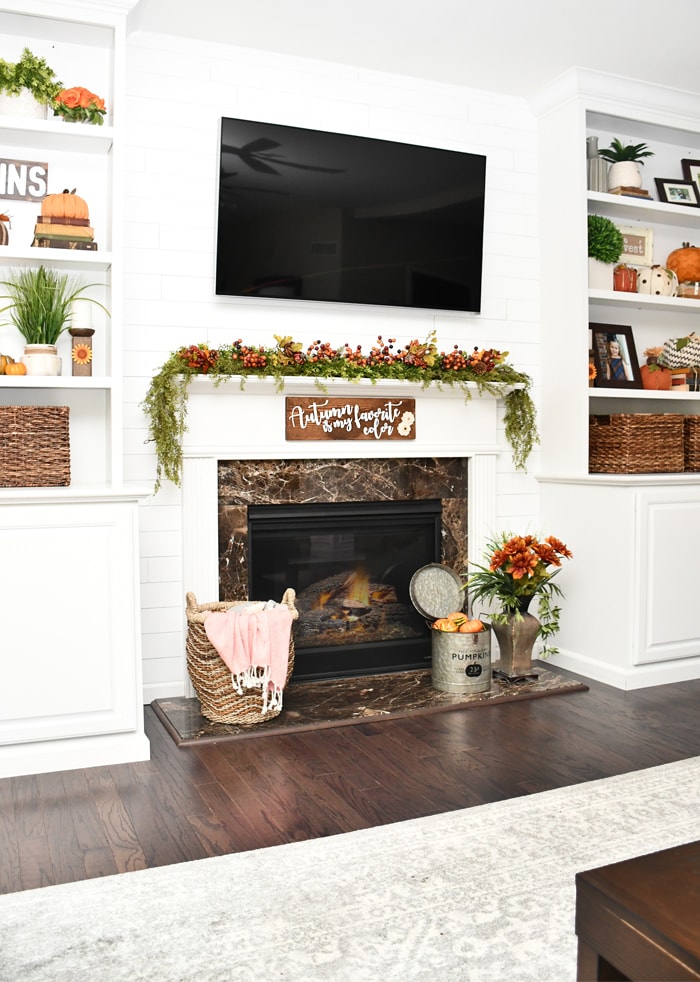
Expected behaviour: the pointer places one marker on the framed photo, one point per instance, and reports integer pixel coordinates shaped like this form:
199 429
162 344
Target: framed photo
675 192
638 247
691 172
615 357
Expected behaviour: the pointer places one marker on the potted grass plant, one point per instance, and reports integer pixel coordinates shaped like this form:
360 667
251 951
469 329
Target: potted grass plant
625 160
41 302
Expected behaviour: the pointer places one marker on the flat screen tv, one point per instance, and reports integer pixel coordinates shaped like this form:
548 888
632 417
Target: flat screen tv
311 215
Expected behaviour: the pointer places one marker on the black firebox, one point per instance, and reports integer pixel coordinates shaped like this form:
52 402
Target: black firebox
351 564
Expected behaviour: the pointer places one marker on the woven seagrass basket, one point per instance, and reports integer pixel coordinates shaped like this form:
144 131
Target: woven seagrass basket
211 677
34 446
636 443
691 442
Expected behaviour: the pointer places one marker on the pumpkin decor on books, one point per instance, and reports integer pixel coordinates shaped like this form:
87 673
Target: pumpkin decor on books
64 223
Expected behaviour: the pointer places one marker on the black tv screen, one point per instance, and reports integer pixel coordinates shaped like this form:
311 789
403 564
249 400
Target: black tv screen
311 215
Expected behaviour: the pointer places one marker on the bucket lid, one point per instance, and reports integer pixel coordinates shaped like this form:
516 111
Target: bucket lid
436 591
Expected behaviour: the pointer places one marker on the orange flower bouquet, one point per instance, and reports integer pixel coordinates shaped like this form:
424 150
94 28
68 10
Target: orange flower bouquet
519 568
79 105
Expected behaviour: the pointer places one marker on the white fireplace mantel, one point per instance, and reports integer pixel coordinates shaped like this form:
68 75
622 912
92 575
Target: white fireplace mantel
227 421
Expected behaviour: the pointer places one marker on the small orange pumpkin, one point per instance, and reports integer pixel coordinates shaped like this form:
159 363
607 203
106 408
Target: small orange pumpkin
5 360
685 263
445 624
474 626
655 377
16 368
65 205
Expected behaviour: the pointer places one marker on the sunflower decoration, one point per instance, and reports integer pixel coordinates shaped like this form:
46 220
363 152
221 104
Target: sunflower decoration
82 353
592 373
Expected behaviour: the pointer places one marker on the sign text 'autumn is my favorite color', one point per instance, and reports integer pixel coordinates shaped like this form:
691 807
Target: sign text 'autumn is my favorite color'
350 419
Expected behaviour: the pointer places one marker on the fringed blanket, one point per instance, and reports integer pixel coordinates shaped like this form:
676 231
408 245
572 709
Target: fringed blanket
253 641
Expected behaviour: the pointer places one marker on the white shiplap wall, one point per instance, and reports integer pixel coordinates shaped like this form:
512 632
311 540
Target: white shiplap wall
177 92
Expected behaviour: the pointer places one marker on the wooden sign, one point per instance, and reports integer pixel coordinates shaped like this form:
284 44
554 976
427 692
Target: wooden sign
350 419
26 180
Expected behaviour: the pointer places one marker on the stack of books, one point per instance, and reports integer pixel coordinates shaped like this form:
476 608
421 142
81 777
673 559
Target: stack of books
632 192
51 232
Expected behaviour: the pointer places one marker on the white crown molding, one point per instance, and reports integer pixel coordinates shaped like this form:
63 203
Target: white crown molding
617 95
90 11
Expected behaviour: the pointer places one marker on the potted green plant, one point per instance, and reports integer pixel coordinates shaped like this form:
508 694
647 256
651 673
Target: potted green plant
625 159
605 245
519 568
27 86
41 303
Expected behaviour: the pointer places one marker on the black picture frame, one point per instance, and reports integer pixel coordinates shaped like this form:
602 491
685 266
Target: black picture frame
626 374
676 192
691 172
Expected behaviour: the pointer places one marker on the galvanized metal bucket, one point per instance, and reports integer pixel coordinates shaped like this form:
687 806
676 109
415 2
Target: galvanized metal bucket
462 662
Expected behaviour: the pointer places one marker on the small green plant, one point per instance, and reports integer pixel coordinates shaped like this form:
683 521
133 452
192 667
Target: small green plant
605 241
616 152
30 72
40 301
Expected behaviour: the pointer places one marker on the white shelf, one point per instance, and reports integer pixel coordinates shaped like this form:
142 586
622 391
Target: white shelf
629 209
642 301
32 255
643 394
54 382
56 134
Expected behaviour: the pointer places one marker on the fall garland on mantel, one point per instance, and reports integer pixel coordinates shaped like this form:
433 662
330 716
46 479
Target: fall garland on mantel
419 361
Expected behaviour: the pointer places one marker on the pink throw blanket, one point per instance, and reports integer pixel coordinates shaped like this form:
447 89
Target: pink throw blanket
254 644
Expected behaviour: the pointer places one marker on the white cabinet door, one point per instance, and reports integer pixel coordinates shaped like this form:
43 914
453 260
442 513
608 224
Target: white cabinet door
69 603
669 599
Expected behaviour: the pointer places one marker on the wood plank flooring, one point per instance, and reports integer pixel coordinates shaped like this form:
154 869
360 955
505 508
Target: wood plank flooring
214 799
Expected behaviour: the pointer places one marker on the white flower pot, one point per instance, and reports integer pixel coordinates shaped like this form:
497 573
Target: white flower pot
41 359
600 275
624 173
22 104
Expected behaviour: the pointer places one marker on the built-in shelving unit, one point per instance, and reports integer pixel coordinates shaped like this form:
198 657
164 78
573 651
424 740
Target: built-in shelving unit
71 695
629 617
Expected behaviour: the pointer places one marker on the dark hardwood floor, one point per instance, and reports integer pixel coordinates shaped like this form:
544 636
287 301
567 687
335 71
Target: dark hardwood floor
219 798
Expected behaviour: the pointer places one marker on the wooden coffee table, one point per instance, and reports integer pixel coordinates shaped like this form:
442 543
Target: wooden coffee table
640 919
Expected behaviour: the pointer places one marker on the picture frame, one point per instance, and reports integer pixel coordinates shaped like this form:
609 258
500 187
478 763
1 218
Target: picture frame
615 370
638 247
675 192
691 171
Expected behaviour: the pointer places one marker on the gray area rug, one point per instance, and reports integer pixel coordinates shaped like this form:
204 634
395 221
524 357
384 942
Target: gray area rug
484 894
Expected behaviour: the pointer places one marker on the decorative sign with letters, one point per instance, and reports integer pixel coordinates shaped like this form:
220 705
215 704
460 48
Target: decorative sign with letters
350 419
26 180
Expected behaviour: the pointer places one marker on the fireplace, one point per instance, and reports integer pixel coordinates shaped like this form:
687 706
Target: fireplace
236 455
334 529
351 565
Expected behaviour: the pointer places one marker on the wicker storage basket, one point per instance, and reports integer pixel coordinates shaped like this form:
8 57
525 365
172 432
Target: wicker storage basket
638 443
691 443
34 446
211 677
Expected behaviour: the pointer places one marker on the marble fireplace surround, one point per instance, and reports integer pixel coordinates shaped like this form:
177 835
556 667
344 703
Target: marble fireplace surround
230 422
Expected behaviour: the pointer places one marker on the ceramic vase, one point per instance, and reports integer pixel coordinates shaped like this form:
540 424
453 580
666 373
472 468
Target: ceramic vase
22 104
624 173
41 359
516 639
600 275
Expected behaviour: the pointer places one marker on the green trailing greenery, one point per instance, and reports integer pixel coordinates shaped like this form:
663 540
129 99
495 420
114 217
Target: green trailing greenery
30 72
165 403
40 301
618 152
605 241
